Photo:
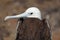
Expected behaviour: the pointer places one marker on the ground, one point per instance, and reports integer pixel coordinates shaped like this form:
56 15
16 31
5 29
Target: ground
50 9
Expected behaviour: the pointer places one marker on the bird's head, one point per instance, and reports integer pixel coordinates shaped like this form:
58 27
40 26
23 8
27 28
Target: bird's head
31 12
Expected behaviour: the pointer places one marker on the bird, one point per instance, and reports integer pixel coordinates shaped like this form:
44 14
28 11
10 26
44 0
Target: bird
31 25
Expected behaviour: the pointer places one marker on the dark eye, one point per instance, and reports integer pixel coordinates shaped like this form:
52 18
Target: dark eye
31 13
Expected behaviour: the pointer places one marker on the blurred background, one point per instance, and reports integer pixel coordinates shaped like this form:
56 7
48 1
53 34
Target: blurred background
48 8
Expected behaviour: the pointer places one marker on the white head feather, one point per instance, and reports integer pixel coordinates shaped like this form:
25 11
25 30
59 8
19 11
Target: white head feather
31 12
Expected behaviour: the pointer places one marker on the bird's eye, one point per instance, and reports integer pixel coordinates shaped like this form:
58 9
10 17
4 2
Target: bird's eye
31 13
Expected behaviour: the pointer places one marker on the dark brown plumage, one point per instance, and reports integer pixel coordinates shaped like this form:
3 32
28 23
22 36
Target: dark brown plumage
33 29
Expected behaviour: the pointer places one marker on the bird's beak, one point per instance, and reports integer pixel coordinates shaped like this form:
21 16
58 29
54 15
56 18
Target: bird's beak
16 16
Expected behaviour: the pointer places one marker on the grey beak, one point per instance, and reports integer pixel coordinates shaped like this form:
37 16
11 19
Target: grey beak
16 16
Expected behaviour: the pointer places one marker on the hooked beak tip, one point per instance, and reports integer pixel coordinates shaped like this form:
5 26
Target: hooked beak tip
6 18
